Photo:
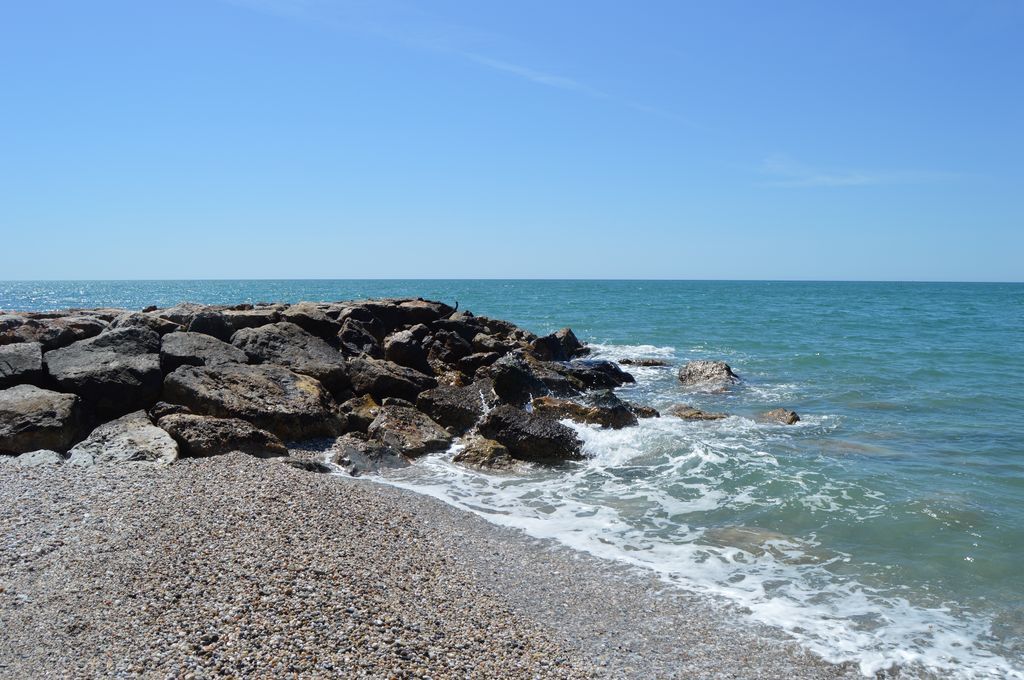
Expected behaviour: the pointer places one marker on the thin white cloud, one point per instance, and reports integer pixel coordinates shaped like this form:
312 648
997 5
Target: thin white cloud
538 77
784 172
414 28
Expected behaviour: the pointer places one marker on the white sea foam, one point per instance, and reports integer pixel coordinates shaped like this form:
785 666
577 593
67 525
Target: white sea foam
642 498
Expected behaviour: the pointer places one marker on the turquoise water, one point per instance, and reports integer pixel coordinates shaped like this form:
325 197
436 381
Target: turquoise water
887 527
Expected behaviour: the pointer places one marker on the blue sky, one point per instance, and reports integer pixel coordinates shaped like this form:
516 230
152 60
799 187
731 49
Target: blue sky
319 138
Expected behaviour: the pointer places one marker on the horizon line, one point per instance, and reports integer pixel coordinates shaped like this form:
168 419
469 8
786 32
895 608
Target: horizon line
512 278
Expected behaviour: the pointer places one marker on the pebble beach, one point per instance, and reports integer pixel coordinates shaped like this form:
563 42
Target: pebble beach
237 566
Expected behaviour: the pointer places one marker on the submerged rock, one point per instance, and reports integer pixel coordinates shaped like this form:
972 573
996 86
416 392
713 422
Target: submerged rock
114 372
643 362
781 416
687 412
200 436
21 363
409 431
129 439
709 373
531 438
290 405
32 418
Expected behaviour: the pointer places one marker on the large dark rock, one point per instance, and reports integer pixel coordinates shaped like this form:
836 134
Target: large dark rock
290 405
197 349
409 431
405 348
395 314
357 338
182 313
21 363
151 321
515 381
781 416
559 346
383 379
592 374
469 365
129 439
357 455
115 372
614 416
458 408
52 333
449 348
32 418
199 436
705 373
311 317
286 344
531 438
237 319
211 322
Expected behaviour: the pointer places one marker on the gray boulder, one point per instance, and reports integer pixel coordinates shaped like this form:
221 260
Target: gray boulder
115 372
21 363
531 438
197 349
51 332
39 458
148 320
237 319
210 322
32 418
129 439
383 379
199 436
705 373
286 344
290 405
409 431
458 408
311 317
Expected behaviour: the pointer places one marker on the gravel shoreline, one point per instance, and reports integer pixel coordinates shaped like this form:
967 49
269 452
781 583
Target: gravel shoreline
239 566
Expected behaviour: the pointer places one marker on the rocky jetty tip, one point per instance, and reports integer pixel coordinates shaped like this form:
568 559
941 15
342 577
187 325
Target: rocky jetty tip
382 381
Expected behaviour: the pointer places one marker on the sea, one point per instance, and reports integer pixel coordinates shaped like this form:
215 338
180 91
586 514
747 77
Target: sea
885 528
